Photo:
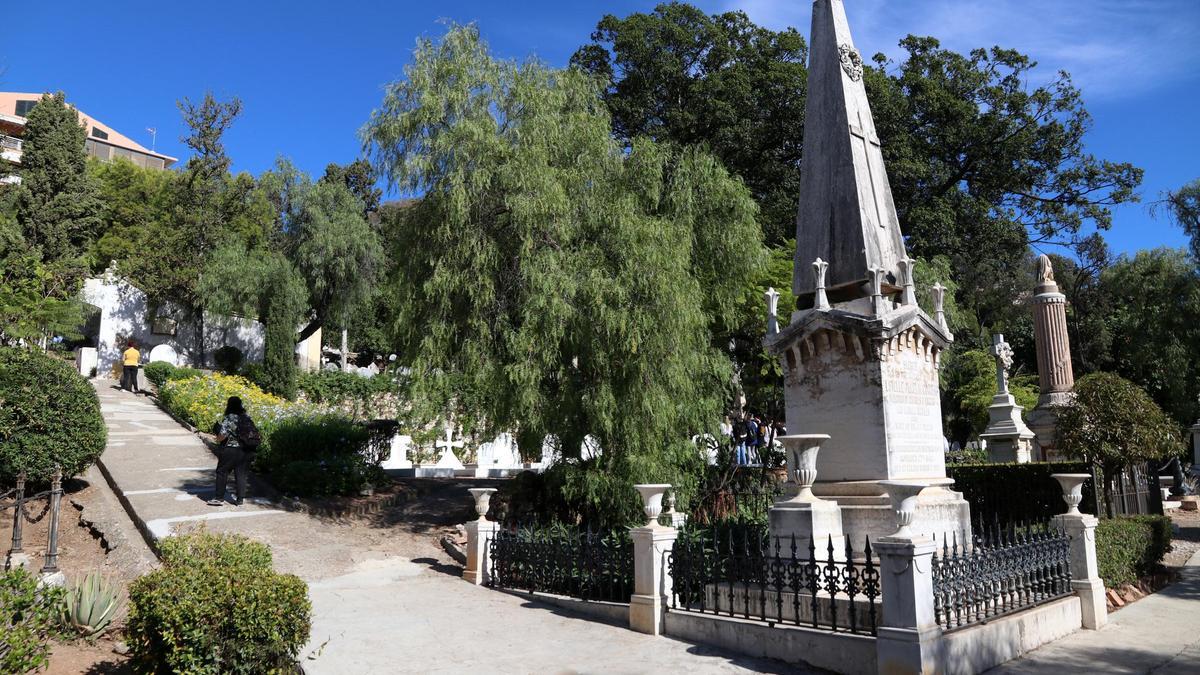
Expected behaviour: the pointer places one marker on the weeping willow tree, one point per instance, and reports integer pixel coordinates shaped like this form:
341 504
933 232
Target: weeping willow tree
552 281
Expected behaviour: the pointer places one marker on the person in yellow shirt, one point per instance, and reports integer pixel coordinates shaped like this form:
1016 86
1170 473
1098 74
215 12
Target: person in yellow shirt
131 357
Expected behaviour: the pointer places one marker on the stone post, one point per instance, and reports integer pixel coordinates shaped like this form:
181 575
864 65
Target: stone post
651 579
1196 443
479 536
909 639
802 516
1081 528
1053 346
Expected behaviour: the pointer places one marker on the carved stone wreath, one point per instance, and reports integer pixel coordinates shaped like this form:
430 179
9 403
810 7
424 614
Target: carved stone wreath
851 62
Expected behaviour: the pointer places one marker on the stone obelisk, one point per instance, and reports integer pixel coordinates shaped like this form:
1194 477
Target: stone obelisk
1055 375
860 358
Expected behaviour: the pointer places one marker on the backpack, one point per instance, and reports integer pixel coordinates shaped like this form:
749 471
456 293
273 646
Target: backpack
247 433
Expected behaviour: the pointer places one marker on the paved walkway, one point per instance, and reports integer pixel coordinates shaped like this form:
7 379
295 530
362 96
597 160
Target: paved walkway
383 600
1159 634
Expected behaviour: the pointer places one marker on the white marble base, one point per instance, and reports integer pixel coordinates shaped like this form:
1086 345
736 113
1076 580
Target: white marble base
1008 439
819 521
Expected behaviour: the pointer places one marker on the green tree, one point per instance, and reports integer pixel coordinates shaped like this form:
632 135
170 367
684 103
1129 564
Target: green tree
138 202
554 282
58 203
1184 206
969 380
1152 314
679 75
1113 423
360 178
982 162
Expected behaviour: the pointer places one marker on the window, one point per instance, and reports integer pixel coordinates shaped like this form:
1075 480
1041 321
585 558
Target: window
23 108
97 132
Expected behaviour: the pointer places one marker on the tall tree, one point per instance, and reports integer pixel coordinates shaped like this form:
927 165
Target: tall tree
552 281
679 75
1184 206
360 178
58 203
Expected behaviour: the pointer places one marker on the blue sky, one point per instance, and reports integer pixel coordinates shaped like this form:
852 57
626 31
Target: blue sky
309 73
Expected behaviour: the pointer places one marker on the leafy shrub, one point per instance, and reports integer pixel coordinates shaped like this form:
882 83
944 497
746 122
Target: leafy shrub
352 393
90 606
28 616
319 455
1114 423
216 606
1012 492
228 359
160 372
1129 547
254 372
49 415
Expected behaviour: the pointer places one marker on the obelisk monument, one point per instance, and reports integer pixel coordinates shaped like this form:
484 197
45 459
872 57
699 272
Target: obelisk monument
1055 375
860 357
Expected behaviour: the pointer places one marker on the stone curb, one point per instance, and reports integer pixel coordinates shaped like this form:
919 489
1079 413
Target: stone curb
138 521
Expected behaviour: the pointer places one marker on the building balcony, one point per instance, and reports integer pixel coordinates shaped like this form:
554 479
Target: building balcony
10 143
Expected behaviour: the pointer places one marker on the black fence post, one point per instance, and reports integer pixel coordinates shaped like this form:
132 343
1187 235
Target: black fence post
51 564
18 515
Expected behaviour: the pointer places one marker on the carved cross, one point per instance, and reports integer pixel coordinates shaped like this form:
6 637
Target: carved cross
1002 352
772 297
448 444
870 144
821 302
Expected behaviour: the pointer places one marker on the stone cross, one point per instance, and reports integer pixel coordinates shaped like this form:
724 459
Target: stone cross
910 292
1004 360
939 306
876 277
870 142
772 297
820 299
448 444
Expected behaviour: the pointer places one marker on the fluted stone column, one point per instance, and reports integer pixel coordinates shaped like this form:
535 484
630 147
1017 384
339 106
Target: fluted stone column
1053 356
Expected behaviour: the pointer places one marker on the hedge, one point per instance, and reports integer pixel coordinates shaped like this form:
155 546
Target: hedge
1014 492
159 372
216 606
1130 547
49 416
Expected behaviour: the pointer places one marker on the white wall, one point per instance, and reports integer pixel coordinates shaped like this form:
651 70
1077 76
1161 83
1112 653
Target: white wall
124 314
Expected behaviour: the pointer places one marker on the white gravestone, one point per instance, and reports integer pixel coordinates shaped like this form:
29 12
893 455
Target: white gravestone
164 353
449 460
398 459
498 457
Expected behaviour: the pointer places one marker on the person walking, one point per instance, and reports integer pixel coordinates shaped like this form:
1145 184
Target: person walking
239 439
130 359
751 438
739 440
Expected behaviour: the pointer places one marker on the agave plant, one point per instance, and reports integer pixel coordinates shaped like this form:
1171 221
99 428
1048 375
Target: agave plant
91 605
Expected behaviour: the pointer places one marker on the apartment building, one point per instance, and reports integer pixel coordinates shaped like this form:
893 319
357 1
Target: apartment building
103 141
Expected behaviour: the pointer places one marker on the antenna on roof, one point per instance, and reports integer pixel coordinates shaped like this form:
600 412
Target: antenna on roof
153 137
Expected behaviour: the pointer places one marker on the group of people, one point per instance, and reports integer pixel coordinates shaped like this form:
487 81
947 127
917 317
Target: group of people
750 434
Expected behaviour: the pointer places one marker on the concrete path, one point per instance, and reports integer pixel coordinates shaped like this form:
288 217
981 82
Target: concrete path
384 600
1159 634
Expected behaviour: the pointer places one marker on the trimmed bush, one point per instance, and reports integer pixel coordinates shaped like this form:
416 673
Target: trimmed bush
28 617
320 455
1130 547
49 415
160 372
228 359
216 606
1014 492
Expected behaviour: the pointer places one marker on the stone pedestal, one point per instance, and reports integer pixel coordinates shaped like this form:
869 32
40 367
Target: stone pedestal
1008 439
651 582
909 637
1085 574
1196 443
479 536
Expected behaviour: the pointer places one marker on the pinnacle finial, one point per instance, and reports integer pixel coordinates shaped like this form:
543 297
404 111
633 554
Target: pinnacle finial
772 297
820 299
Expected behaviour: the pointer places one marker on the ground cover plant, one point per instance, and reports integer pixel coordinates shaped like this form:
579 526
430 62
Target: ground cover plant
28 617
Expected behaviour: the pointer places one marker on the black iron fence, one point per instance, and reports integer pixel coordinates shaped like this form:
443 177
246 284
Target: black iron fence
1132 491
744 573
559 560
23 512
1001 570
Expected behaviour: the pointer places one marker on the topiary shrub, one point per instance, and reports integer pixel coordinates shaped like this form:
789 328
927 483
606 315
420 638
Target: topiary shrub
158 372
28 616
216 606
1129 547
49 415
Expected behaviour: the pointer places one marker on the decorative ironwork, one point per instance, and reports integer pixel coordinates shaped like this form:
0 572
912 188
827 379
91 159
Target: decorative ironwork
1001 570
742 572
19 503
585 565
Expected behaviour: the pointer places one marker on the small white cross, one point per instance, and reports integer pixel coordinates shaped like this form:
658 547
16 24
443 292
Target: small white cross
448 444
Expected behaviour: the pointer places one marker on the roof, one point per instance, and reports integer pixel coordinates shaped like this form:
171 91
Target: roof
8 112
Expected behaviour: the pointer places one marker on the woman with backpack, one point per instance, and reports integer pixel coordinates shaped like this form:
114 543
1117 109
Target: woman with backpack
239 438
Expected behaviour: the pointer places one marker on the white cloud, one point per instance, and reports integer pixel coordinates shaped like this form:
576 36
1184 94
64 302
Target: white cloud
1112 48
